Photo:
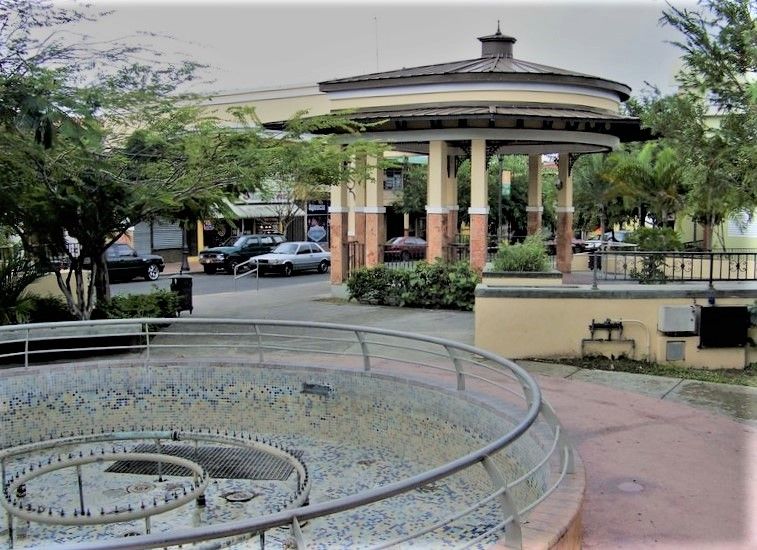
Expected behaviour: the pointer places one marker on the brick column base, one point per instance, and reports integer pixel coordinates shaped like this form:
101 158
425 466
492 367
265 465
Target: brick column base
564 241
375 237
451 225
339 259
436 236
478 240
533 222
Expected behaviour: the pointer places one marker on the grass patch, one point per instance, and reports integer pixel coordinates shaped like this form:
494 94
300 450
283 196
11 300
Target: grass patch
745 377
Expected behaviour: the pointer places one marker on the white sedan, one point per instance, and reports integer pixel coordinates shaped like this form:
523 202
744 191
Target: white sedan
293 256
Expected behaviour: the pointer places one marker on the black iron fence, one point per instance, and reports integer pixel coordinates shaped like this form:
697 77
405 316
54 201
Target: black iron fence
662 267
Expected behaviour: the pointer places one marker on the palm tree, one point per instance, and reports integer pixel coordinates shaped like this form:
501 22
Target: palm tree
654 179
598 199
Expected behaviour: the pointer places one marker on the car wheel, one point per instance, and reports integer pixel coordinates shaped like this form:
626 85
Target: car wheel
323 267
405 256
288 270
153 272
209 269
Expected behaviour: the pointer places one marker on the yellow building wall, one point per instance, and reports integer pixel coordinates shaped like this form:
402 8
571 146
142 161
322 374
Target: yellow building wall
519 327
47 285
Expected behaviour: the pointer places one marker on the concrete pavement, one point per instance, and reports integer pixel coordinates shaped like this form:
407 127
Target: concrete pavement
670 463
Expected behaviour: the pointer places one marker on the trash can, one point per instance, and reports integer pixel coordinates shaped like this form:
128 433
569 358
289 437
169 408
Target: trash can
595 256
182 285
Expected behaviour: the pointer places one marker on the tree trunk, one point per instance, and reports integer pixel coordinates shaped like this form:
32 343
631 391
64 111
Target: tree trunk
707 227
101 281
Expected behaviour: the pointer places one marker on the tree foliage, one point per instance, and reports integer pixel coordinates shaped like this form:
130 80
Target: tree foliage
712 121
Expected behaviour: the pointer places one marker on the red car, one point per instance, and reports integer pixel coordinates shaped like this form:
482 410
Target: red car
405 249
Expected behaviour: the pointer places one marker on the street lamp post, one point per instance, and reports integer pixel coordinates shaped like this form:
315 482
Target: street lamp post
184 250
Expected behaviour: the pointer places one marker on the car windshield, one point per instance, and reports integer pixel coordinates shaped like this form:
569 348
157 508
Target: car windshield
285 248
393 240
238 243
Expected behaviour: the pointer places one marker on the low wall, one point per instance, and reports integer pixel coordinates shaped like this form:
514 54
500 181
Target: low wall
47 285
551 322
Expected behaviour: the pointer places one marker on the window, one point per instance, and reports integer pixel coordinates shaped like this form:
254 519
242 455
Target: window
266 240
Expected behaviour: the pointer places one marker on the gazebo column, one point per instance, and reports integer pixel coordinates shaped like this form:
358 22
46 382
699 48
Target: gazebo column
436 211
451 194
534 210
375 223
564 237
357 207
338 239
479 204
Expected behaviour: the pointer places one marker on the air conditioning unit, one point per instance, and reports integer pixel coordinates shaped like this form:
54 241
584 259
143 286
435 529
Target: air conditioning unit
678 320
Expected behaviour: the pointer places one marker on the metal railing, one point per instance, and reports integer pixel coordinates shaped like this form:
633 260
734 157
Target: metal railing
252 271
451 366
662 267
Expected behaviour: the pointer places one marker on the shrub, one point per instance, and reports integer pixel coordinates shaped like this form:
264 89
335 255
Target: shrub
530 255
49 309
438 285
16 273
655 238
159 303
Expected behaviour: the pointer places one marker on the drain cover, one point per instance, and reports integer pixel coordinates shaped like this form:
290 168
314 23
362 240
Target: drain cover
142 487
240 496
220 462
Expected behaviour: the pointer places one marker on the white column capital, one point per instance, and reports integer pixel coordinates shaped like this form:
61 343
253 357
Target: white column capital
534 209
565 209
374 210
436 209
338 209
484 210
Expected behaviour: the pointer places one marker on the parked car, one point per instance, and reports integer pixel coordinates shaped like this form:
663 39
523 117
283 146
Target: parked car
405 249
576 244
608 240
245 247
124 263
293 256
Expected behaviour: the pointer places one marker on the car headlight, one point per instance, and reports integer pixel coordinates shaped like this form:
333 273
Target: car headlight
277 262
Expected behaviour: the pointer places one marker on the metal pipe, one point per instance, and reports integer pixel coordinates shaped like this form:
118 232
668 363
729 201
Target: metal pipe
81 489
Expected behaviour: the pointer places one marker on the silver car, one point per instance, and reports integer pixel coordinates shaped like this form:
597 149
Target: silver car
293 256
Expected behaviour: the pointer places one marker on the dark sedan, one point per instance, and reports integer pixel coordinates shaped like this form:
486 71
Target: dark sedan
124 263
405 249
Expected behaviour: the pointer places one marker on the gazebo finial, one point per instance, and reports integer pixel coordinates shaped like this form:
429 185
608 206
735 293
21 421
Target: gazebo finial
498 31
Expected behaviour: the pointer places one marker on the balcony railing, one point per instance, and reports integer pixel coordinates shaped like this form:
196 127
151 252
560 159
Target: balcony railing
663 267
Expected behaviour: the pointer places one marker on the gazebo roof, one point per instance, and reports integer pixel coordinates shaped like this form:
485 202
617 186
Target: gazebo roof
496 64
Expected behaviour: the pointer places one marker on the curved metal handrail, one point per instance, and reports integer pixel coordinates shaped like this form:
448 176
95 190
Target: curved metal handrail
293 517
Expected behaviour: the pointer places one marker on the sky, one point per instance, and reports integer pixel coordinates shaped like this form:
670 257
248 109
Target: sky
252 45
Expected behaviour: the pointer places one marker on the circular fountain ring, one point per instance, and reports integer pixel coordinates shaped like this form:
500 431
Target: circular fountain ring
83 517
29 512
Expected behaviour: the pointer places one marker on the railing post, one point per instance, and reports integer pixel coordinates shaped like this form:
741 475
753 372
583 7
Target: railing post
299 540
147 343
712 267
260 343
594 285
364 348
562 440
26 349
458 368
507 504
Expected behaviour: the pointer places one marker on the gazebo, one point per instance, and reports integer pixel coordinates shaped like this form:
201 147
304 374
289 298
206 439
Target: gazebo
494 104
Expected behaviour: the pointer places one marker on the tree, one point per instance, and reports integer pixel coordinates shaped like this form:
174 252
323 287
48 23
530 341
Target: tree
712 121
598 198
90 144
414 194
653 179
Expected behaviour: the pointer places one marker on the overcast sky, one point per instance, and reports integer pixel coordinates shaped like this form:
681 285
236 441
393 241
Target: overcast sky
253 45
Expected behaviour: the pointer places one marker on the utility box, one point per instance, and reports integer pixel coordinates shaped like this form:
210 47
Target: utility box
182 285
678 320
724 327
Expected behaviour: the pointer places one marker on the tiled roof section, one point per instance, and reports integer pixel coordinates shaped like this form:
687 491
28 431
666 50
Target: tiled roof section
505 65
